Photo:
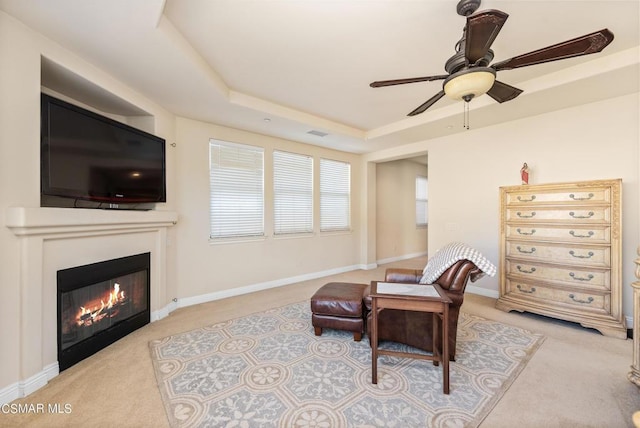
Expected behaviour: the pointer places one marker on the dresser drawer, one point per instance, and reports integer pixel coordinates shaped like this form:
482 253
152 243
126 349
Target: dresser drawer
582 300
579 234
581 214
574 255
568 195
598 279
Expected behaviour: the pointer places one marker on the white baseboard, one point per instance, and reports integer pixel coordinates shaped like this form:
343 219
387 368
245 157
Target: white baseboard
10 393
370 266
28 386
164 312
204 298
400 258
474 289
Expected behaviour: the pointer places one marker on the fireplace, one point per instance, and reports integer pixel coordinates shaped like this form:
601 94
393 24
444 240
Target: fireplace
100 303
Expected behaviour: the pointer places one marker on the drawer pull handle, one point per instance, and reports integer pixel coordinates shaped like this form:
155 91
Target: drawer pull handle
572 214
575 235
588 301
524 270
520 232
533 197
577 256
531 251
572 196
531 291
519 214
578 278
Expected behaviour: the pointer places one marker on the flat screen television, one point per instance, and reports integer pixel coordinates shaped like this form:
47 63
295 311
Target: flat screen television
86 156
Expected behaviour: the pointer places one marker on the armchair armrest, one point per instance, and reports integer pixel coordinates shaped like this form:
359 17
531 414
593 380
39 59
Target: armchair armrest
402 275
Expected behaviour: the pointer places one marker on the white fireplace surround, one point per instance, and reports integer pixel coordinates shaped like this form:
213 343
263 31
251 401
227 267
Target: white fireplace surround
52 239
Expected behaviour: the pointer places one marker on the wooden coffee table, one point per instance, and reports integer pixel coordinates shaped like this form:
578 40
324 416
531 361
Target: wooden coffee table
428 298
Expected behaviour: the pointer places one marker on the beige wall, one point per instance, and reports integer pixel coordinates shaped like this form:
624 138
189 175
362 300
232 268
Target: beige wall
594 141
397 236
20 86
209 267
19 163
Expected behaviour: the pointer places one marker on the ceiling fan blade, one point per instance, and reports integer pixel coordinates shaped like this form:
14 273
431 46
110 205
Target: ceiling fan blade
584 45
431 101
381 83
502 92
482 29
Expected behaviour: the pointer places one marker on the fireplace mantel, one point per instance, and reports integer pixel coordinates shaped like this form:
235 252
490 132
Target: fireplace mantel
43 221
51 239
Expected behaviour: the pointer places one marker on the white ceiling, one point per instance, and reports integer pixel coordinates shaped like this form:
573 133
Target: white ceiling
307 64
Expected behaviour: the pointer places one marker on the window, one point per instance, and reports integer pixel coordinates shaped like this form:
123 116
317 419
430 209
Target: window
335 185
292 193
236 186
421 201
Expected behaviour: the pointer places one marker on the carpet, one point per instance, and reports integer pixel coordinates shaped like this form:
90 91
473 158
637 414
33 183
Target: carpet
270 370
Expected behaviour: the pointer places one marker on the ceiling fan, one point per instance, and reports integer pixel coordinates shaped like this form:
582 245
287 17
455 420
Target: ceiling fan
469 74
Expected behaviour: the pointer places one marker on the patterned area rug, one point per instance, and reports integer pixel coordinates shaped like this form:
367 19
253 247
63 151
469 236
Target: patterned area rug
269 370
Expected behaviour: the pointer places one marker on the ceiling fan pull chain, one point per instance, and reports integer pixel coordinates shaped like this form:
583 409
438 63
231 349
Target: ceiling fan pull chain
465 116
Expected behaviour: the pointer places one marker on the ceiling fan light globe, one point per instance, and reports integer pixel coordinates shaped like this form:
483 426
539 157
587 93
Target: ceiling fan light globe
469 83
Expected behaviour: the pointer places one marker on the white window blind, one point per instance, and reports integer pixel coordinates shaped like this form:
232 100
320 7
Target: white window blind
421 201
236 180
335 185
292 193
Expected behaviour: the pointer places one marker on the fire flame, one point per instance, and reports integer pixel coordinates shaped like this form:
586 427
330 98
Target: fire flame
90 316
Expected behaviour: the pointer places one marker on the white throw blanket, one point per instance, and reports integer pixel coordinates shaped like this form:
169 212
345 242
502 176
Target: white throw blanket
446 256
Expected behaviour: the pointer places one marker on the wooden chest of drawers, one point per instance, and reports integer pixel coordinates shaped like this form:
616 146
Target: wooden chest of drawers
560 250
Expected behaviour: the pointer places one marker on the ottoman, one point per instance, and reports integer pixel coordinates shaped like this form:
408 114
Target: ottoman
338 305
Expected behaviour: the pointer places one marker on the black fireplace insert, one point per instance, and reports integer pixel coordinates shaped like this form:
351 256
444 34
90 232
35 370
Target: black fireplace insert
100 303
